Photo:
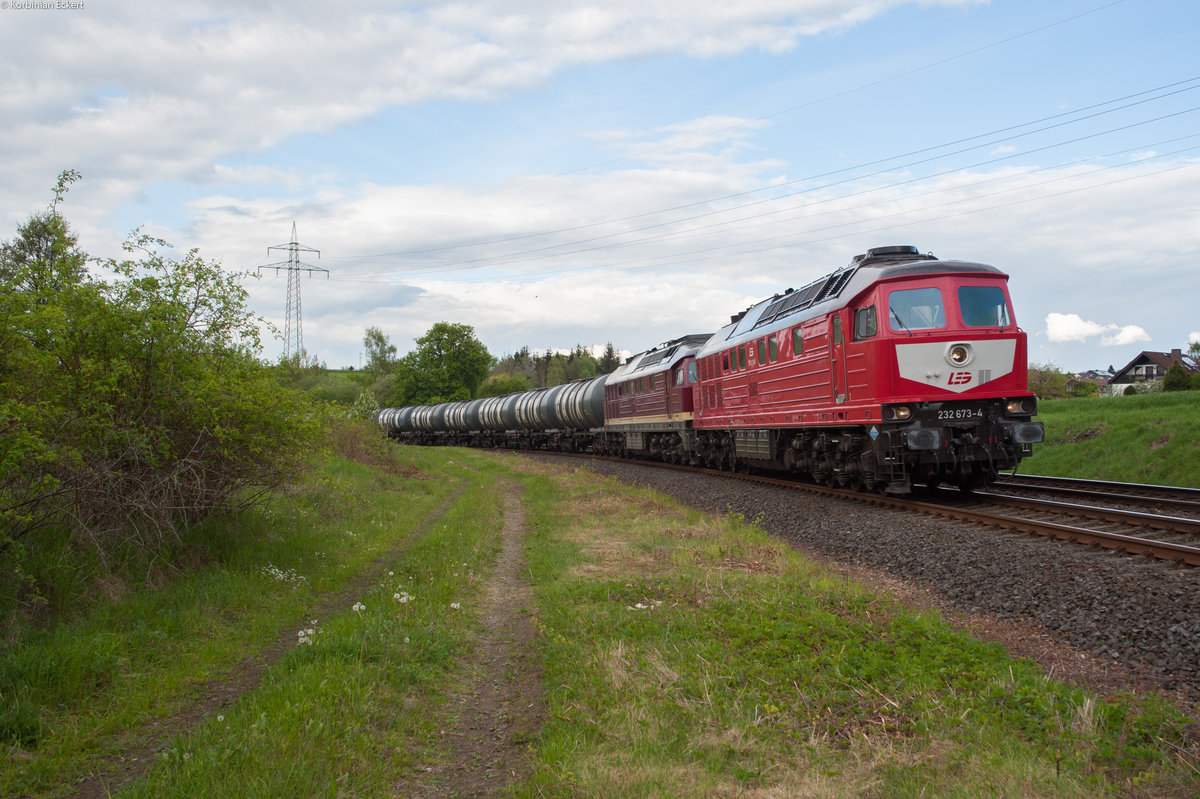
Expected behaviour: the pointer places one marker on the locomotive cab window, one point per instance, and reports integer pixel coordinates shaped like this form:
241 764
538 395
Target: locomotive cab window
916 309
983 306
692 372
865 323
797 341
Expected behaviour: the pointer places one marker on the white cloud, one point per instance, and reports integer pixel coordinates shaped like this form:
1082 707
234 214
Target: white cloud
1070 327
1062 328
1125 335
136 95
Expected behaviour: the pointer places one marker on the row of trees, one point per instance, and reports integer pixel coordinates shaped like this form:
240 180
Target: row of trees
450 363
130 406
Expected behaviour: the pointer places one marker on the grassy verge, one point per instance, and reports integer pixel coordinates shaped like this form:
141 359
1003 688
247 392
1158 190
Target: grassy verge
683 655
78 696
692 656
1148 438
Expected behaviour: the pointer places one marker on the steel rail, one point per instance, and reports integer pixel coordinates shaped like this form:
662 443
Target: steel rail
1179 498
1155 521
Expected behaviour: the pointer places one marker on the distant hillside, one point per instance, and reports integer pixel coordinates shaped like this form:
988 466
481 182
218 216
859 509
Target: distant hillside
1150 438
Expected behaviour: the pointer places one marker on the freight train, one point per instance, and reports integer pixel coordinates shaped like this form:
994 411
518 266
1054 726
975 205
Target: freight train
898 369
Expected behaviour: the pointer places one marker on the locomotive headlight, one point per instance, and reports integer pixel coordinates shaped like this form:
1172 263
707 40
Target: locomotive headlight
899 413
959 354
1020 406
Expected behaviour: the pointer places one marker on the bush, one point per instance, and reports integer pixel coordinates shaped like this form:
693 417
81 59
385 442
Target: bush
1177 378
131 408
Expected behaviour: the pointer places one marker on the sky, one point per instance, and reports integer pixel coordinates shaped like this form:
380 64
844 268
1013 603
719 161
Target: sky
555 173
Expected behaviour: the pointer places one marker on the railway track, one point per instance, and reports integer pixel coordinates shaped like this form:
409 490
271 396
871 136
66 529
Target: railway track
1168 500
1150 533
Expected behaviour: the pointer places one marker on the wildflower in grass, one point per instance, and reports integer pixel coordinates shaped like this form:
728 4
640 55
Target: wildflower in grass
358 607
403 597
220 718
455 605
279 575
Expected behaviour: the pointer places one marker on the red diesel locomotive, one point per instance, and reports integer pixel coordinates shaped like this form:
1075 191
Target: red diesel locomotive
897 369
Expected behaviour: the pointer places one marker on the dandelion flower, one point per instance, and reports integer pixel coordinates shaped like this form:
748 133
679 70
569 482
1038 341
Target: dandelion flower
358 607
455 605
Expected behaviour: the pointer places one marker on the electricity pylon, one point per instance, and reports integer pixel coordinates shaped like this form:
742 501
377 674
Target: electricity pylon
293 333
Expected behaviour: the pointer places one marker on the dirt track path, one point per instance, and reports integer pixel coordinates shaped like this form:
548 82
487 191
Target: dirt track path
219 694
497 706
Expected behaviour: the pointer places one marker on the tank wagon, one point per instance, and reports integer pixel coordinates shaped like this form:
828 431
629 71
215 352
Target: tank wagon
899 368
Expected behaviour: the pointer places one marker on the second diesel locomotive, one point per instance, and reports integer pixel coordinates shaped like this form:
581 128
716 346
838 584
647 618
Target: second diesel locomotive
897 369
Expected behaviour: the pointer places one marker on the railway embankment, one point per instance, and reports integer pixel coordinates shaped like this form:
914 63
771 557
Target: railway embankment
1148 438
387 626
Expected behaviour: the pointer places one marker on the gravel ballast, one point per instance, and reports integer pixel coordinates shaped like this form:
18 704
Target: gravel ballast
1089 615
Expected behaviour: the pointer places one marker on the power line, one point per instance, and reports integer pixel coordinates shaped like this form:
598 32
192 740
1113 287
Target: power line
594 244
293 331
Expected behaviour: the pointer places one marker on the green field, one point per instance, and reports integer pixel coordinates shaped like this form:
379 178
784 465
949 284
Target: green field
316 646
1148 438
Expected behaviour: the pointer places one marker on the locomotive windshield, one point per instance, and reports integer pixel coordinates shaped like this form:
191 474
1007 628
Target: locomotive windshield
916 309
983 306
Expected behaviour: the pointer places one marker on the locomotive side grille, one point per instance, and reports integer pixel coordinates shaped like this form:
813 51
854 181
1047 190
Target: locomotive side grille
817 291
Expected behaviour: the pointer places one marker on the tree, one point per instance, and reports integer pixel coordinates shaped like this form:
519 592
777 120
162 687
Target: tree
609 361
381 353
519 364
1047 380
500 385
45 257
449 363
1177 378
130 408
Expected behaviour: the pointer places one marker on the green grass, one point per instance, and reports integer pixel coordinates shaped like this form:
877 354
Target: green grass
683 655
85 689
1148 438
692 656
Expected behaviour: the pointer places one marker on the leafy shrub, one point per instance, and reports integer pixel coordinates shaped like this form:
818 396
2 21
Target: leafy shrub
132 407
